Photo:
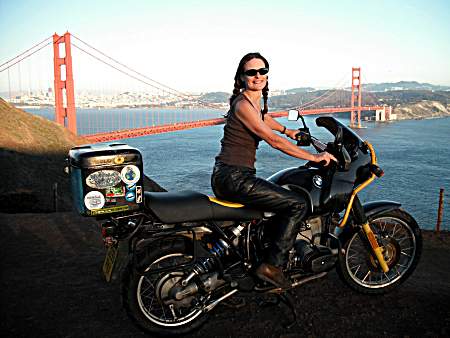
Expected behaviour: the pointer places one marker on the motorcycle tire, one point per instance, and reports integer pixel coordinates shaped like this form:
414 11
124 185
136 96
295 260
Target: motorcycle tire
401 240
145 297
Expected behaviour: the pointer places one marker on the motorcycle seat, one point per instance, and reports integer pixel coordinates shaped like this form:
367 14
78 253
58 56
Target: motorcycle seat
192 206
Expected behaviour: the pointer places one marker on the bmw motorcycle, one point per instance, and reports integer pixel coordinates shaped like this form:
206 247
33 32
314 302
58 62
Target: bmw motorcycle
185 252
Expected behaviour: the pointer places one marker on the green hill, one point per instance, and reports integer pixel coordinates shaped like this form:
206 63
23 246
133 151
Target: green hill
32 156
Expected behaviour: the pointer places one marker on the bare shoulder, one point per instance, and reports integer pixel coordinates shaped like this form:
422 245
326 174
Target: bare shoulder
244 109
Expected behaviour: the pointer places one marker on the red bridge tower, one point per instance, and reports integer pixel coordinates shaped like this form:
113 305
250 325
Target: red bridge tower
356 96
64 93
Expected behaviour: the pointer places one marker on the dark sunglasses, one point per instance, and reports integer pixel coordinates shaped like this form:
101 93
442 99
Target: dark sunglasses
252 72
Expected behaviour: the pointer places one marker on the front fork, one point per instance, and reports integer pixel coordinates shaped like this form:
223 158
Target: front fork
360 217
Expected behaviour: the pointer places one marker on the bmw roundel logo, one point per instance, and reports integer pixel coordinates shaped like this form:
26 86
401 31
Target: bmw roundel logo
317 181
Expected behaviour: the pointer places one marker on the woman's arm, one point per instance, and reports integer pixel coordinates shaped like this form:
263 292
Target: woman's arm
272 123
275 125
251 119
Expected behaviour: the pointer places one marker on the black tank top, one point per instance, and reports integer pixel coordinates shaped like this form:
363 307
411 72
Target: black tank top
239 144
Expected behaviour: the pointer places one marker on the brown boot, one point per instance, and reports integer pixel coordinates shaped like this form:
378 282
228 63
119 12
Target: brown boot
273 275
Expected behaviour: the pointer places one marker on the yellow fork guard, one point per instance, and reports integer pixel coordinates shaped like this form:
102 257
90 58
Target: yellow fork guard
375 247
368 231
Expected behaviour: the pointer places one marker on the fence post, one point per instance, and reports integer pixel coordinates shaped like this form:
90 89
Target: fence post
55 197
440 210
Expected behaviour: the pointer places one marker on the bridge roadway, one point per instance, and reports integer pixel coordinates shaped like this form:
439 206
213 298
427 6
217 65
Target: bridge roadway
166 128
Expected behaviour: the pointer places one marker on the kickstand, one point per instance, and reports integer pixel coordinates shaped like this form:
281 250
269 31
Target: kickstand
287 299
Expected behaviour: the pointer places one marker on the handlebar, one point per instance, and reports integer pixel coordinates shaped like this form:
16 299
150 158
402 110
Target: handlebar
343 156
318 145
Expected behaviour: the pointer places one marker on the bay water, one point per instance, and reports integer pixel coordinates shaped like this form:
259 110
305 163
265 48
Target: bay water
415 155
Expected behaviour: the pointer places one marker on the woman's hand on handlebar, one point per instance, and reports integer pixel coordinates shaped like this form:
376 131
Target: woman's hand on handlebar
325 157
292 133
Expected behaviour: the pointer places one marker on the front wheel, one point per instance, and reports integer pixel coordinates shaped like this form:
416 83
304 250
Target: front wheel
400 239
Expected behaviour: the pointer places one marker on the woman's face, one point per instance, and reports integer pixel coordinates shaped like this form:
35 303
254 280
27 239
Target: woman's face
258 81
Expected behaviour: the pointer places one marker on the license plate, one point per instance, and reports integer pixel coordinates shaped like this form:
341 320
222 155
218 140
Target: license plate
110 259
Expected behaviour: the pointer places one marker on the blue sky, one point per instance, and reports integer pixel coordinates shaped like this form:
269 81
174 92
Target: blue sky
196 45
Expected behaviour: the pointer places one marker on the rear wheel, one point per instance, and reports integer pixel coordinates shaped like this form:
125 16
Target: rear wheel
147 297
400 239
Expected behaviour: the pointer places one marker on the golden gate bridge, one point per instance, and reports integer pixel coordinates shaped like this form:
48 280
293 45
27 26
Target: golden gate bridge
151 122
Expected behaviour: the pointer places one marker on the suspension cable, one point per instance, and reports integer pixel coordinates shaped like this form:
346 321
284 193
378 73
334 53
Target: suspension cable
132 70
26 51
317 99
143 81
114 67
170 89
37 50
330 91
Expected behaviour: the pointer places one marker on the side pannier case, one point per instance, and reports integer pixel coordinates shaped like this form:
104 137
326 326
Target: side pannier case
106 179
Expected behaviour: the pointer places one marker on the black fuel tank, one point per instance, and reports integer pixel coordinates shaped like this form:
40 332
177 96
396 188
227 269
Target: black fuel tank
311 181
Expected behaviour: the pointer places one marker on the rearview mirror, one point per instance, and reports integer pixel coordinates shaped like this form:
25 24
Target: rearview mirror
292 115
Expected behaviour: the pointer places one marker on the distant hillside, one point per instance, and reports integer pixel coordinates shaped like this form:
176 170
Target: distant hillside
410 102
300 90
402 85
403 92
421 110
341 98
402 97
215 97
322 97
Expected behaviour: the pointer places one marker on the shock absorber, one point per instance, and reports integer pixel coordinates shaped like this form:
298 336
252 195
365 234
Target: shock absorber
219 249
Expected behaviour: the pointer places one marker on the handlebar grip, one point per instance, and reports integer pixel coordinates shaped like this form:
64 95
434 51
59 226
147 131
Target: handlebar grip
298 136
303 137
376 170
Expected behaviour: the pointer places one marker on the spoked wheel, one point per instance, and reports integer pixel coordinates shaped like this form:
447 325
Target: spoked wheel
401 242
149 298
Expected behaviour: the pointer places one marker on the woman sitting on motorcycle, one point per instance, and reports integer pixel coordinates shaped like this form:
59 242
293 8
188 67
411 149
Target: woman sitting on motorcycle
234 177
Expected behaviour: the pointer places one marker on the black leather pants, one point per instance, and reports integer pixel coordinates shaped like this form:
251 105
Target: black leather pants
239 184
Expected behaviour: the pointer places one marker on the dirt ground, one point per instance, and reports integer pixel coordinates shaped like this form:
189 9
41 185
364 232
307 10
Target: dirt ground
51 286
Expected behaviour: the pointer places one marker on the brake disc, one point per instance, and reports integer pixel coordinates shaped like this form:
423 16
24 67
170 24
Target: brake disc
391 252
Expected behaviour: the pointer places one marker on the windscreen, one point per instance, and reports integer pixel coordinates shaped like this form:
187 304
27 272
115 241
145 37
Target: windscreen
351 139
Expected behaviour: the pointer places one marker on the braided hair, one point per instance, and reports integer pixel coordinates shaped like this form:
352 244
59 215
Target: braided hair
239 85
265 93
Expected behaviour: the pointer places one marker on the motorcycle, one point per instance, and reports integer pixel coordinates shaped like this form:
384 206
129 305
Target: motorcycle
184 252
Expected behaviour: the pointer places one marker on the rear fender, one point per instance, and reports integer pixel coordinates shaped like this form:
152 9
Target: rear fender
190 236
130 252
